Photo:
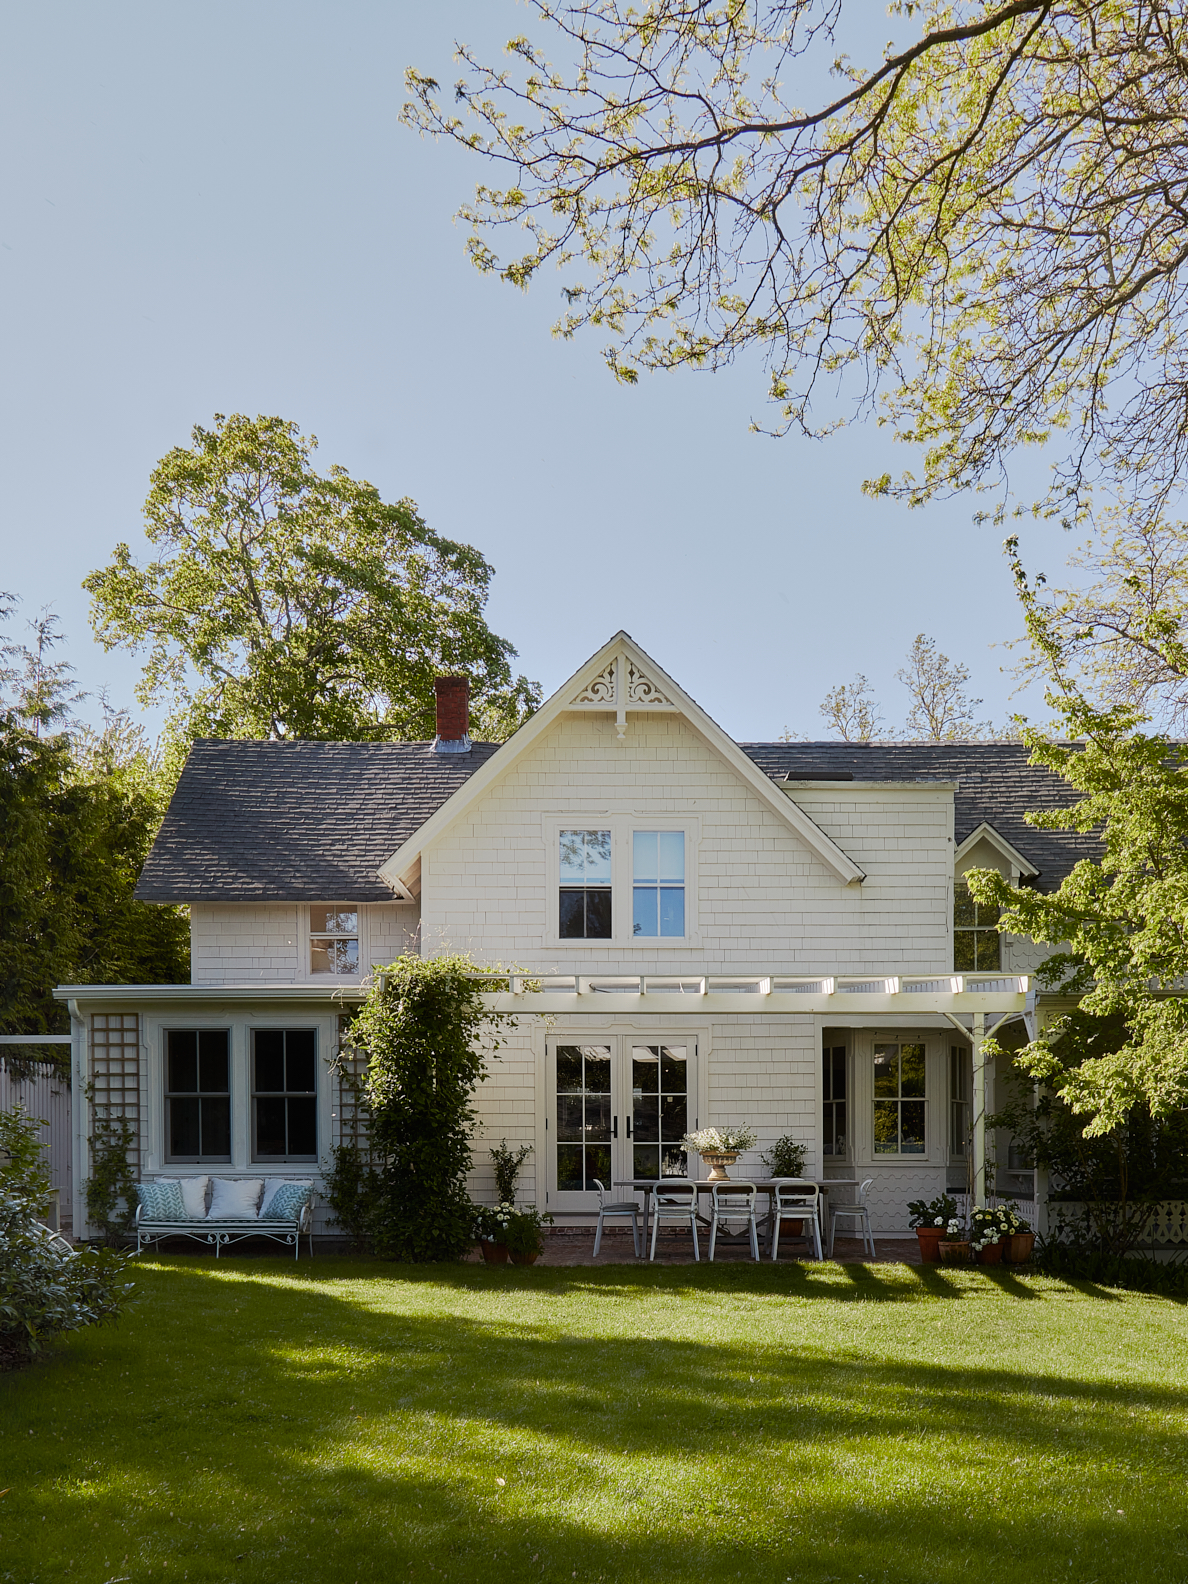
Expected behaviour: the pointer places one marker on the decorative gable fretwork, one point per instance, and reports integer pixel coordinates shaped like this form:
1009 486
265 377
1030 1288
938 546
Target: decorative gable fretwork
621 685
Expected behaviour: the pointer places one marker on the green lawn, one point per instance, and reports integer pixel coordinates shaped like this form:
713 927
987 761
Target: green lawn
258 1420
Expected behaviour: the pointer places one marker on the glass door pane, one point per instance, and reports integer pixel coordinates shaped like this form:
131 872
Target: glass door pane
659 1110
582 1118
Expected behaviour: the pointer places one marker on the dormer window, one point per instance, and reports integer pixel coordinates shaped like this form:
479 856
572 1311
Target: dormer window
334 941
977 945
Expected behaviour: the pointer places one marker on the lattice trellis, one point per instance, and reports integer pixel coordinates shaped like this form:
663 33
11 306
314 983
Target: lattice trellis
116 1076
351 1118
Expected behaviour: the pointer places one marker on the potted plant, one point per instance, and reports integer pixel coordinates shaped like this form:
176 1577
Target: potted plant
720 1147
988 1226
930 1223
786 1158
508 1164
1019 1239
490 1229
955 1247
524 1237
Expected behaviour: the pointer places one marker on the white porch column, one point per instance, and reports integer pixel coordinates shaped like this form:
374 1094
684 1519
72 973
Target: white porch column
979 1109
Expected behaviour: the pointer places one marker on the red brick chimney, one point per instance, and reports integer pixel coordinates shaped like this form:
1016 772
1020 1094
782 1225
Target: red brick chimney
453 714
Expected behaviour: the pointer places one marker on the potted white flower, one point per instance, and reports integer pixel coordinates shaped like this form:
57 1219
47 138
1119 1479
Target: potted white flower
720 1147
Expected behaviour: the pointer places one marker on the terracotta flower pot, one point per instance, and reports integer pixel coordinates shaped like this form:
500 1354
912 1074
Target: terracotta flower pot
719 1160
992 1253
1020 1246
930 1241
525 1259
954 1253
494 1253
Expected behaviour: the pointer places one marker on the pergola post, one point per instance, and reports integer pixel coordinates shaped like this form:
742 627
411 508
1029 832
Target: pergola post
979 1109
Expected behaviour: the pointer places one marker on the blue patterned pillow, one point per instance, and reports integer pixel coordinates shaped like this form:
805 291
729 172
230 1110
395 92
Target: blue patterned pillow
161 1200
287 1202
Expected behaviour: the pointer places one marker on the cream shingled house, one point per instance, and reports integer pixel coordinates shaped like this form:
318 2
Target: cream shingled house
717 933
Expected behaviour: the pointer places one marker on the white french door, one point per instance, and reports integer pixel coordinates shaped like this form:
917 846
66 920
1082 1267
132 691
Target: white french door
616 1107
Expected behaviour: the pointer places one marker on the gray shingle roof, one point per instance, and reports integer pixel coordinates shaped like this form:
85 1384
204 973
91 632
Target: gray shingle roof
308 821
296 821
997 785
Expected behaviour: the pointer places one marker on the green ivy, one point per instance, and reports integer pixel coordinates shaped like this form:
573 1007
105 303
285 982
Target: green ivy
421 1027
111 1188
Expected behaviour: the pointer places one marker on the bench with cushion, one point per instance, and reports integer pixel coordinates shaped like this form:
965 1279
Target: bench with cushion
223 1210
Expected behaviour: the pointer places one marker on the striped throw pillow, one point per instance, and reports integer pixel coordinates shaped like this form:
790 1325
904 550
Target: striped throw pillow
161 1200
287 1202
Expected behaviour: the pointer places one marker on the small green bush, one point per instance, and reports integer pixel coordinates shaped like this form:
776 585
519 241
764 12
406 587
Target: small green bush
525 1230
508 1164
785 1158
351 1188
23 1170
111 1188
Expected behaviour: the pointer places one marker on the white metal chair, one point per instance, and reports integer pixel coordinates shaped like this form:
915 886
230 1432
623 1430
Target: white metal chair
734 1201
858 1211
793 1200
676 1205
619 1210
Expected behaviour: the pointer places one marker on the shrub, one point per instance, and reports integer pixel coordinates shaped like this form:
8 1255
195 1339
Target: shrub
23 1174
936 1212
507 1169
525 1230
351 1188
420 1026
785 1158
46 1287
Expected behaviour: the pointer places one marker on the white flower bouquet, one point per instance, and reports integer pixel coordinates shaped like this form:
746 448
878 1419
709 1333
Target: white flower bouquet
720 1141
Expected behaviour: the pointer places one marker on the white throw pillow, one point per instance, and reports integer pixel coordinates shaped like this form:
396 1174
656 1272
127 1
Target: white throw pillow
235 1199
193 1192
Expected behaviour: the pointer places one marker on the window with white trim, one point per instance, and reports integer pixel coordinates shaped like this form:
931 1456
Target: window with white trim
584 903
833 1089
900 1099
657 883
284 1095
334 941
197 1095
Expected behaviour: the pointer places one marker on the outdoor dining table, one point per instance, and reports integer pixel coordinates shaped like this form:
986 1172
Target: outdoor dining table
648 1185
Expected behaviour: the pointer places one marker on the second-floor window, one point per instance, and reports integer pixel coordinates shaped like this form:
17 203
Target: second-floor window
977 944
585 891
333 941
658 883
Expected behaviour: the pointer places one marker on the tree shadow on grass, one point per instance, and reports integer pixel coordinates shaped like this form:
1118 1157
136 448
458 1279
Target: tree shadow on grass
262 1425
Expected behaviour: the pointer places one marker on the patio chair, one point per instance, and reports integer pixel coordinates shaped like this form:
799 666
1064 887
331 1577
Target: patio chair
606 1212
793 1200
676 1205
734 1201
858 1211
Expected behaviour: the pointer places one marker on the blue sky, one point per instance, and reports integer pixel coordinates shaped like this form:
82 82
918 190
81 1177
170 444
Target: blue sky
212 208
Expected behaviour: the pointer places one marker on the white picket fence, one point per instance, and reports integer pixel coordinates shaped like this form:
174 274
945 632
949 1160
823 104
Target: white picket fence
45 1095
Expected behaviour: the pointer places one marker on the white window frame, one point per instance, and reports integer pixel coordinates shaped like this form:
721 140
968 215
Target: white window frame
621 824
360 912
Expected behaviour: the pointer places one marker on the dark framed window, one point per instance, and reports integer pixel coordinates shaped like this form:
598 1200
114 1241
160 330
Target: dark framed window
197 1095
833 1088
959 1119
585 871
899 1106
658 883
977 945
659 1110
284 1094
583 1117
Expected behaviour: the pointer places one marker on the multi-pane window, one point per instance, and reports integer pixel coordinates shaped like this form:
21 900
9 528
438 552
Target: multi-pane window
197 1095
899 1099
659 1110
284 1094
977 944
833 1087
958 1100
658 883
333 940
583 1117
585 872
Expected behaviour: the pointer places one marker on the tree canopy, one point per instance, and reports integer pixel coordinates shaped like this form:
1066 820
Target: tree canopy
286 603
985 228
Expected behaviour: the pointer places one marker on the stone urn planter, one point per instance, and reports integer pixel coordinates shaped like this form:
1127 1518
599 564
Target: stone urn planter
992 1253
494 1253
1019 1249
718 1161
954 1253
930 1241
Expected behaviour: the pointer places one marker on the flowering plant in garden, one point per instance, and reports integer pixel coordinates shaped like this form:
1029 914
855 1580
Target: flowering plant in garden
720 1141
955 1230
988 1225
936 1212
1014 1221
491 1221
